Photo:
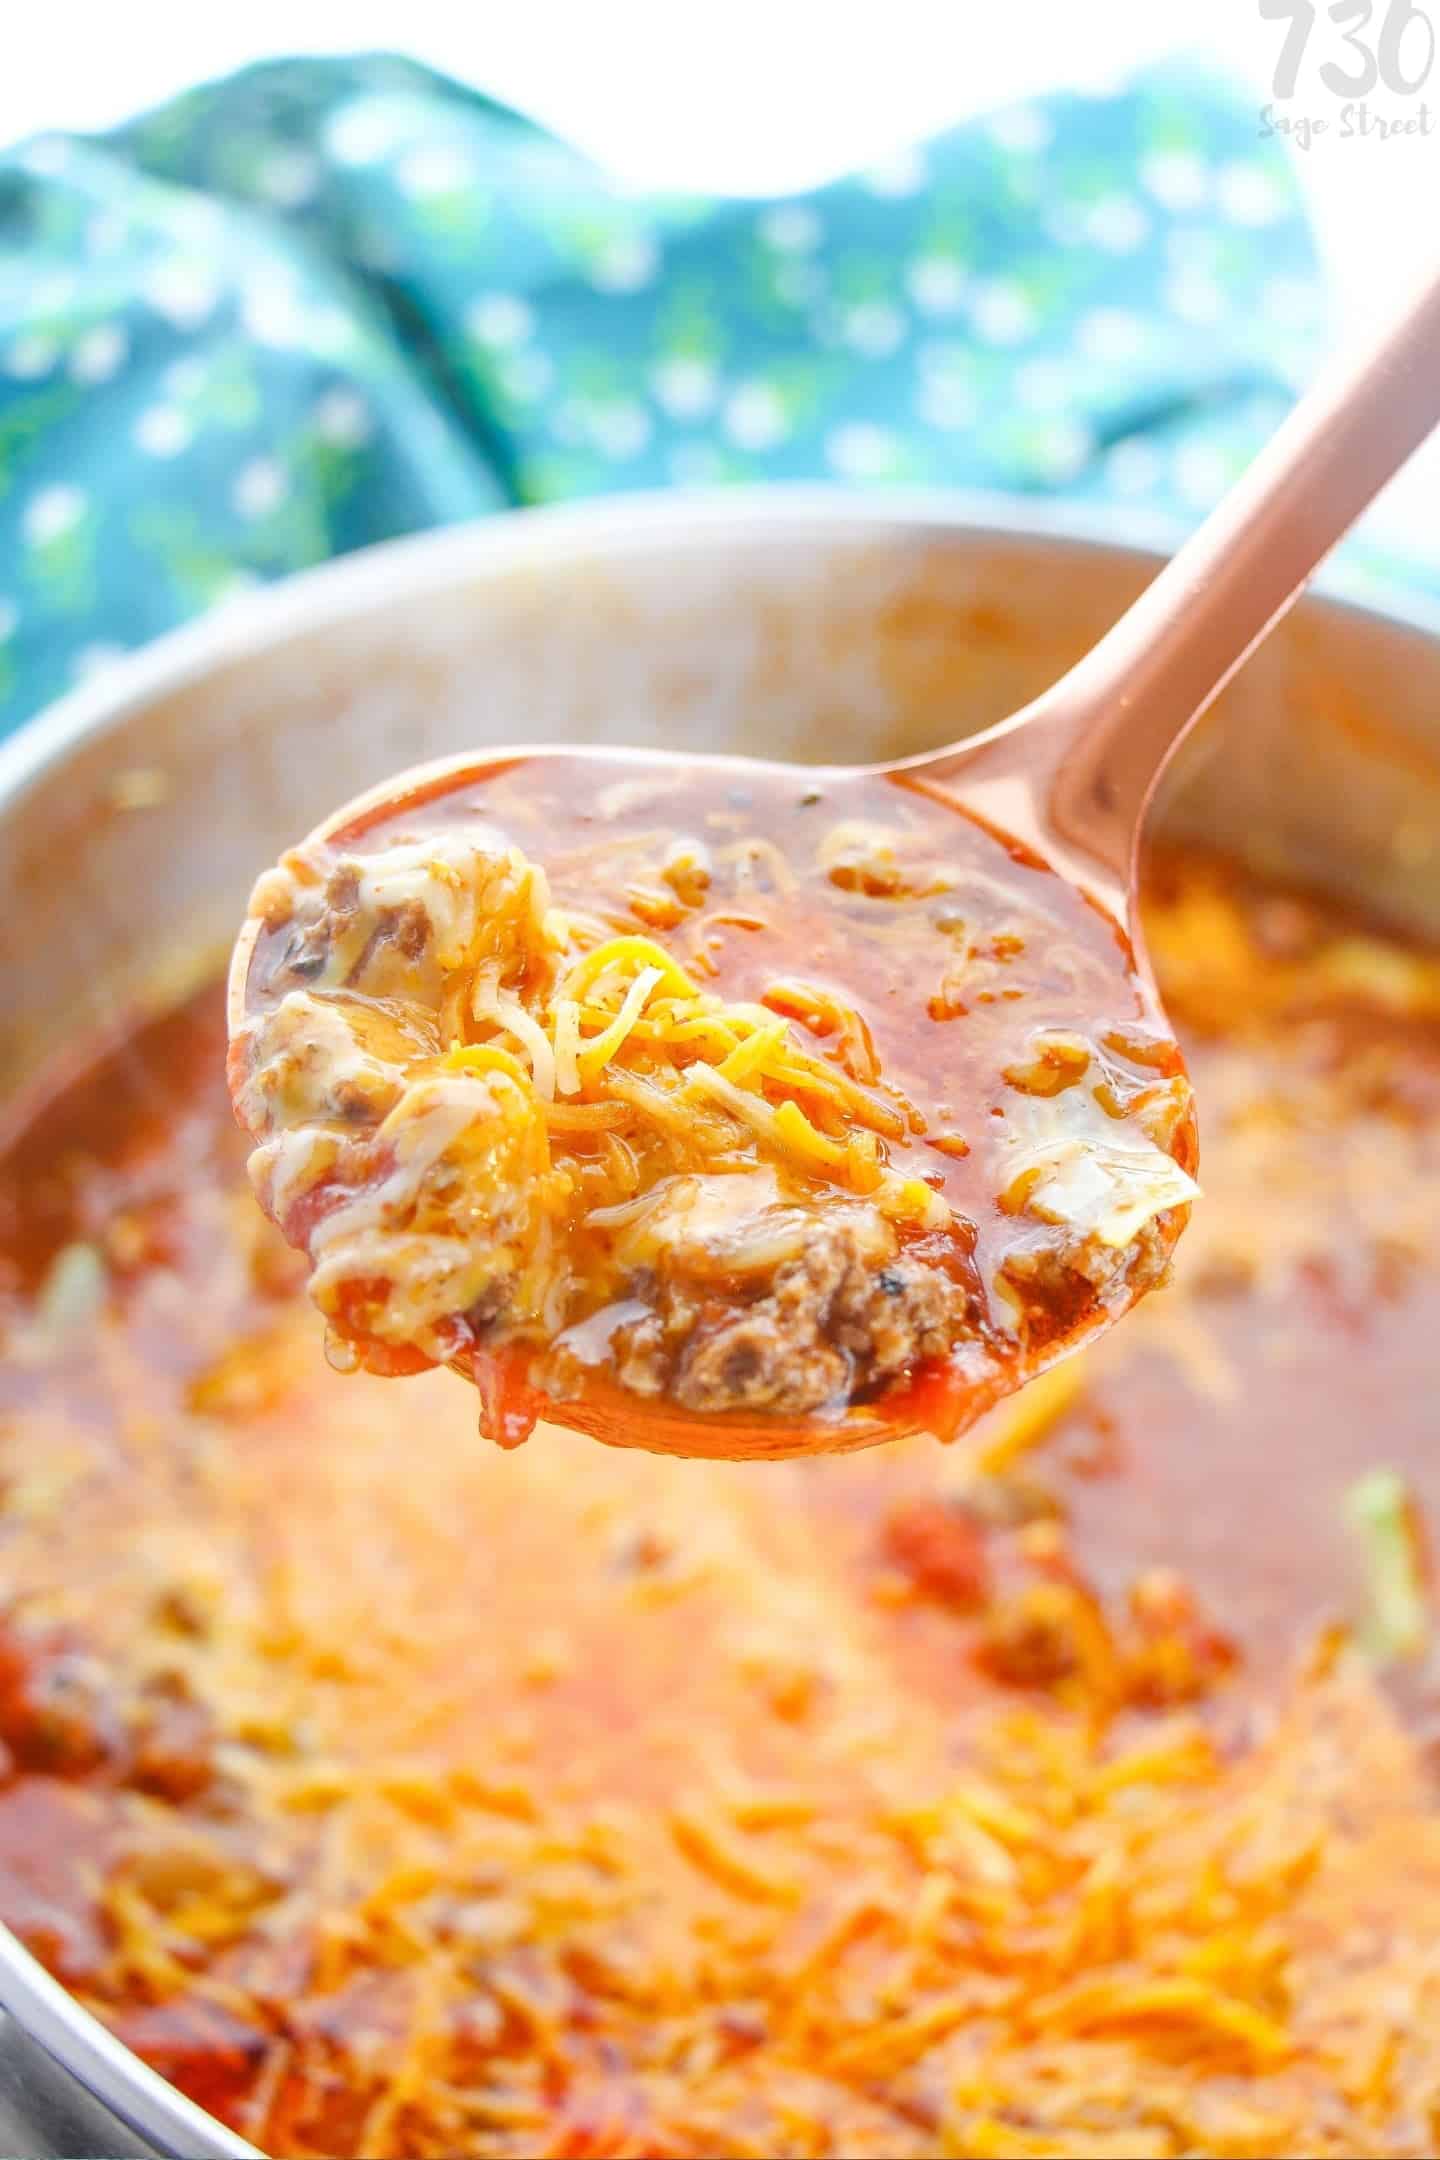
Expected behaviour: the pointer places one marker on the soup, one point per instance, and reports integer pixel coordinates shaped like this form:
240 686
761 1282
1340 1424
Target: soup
1065 1791
780 1109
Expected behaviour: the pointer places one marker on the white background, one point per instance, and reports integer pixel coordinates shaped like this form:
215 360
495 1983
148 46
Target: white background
757 96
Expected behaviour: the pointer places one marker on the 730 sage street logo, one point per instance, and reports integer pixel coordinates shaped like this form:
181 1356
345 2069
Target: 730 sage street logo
1371 61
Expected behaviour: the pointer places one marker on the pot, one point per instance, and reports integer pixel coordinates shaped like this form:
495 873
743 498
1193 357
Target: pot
795 623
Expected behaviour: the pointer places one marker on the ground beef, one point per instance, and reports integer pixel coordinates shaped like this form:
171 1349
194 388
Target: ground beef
308 952
753 1361
1060 1281
832 1326
404 929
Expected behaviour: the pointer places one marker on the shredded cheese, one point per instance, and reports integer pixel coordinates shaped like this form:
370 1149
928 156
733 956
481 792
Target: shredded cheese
626 954
598 1053
616 1069
567 1046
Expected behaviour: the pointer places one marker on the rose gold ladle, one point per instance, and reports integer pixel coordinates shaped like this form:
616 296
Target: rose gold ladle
1069 776
1073 772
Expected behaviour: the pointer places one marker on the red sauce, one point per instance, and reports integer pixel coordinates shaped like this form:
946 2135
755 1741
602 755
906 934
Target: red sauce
395 1797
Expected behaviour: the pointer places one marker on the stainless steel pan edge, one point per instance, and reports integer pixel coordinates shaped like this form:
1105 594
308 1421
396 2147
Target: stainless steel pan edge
798 622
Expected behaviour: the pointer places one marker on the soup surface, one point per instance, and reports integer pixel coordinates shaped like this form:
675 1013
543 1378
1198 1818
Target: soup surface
1065 1791
775 1108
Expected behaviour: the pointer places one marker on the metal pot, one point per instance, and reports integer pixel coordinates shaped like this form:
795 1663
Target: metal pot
134 815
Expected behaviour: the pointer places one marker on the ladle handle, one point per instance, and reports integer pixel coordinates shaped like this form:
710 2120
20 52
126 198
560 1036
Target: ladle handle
1101 736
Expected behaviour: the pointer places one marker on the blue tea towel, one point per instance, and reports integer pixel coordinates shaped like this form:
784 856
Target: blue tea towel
325 302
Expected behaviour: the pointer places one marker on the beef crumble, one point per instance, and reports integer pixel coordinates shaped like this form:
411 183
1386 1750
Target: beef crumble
737 1171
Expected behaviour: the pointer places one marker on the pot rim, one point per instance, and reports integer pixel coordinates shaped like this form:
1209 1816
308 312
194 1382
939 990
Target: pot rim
525 536
76 2042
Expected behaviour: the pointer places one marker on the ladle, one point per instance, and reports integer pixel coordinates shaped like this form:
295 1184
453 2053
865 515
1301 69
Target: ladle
1068 777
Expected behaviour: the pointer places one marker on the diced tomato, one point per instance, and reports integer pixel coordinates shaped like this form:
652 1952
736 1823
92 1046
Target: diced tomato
941 1549
392 1361
938 1398
509 1405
